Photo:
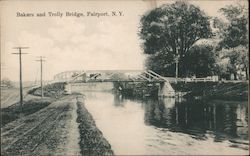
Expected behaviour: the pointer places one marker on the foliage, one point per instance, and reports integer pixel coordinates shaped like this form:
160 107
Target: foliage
234 43
238 59
169 32
235 33
200 61
51 90
214 90
91 139
161 63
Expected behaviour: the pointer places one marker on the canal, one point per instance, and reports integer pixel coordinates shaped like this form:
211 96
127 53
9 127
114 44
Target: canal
169 126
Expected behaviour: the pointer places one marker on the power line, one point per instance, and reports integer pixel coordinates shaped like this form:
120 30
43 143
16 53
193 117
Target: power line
20 73
41 60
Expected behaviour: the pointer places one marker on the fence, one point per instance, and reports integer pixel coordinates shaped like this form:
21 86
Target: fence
206 79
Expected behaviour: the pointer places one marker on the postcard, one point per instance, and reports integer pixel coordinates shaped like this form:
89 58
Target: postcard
141 77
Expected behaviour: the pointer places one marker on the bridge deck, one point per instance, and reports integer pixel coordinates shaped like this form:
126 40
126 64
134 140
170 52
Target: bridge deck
92 81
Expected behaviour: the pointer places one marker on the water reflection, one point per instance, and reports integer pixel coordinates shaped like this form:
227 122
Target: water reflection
166 126
226 120
118 100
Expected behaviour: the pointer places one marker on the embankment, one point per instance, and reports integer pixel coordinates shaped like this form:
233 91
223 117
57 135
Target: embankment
54 90
31 104
45 132
54 125
14 112
92 141
211 90
214 90
136 89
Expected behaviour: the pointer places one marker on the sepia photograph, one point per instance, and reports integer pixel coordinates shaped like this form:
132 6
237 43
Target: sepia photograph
124 77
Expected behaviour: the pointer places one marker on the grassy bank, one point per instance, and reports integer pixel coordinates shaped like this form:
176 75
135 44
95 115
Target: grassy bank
210 90
55 90
14 112
214 90
92 141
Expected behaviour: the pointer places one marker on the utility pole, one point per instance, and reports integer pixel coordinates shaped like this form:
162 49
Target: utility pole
41 60
20 73
176 68
176 65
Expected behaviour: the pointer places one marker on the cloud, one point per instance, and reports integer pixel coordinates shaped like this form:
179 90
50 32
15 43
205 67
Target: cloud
65 29
67 47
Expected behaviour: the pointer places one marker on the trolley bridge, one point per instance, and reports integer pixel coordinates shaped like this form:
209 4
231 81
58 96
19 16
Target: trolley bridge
93 76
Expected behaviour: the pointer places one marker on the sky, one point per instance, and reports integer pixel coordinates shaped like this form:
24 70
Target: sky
77 43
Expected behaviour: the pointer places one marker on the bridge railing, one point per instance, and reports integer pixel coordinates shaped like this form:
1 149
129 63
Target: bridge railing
207 79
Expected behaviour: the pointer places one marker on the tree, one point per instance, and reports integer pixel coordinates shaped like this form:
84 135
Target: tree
238 60
200 61
169 31
160 63
234 43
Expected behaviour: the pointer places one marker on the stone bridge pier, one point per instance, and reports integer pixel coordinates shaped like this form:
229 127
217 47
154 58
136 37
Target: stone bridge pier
166 90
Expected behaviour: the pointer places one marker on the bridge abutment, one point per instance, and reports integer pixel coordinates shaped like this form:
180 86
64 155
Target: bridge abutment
166 90
90 86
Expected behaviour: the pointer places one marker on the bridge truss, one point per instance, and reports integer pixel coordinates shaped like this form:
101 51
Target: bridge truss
92 76
109 76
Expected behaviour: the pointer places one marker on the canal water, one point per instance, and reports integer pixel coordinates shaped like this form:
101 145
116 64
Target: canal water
169 126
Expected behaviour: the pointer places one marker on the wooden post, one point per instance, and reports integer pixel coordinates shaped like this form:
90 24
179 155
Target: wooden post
41 60
20 74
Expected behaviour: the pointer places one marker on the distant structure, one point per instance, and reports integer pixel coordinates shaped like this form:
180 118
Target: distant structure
134 76
6 83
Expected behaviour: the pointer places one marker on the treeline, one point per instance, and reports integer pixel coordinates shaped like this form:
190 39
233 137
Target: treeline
182 37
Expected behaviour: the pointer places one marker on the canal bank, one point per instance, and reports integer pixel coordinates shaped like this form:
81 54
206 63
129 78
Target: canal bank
57 124
236 91
92 141
201 90
47 131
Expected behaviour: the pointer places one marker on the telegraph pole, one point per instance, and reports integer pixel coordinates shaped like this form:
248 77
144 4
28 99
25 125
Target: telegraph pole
176 65
176 68
41 60
20 73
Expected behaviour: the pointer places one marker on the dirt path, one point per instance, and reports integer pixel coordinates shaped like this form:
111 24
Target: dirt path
73 147
52 130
